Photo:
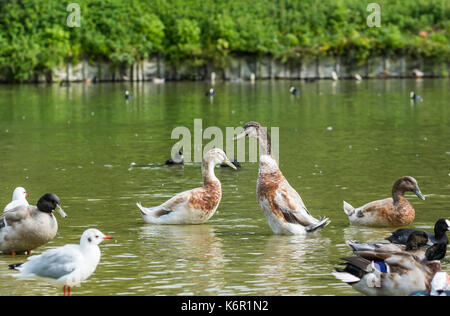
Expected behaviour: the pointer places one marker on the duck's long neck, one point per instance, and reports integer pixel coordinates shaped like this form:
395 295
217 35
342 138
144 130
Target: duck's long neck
397 192
265 145
208 173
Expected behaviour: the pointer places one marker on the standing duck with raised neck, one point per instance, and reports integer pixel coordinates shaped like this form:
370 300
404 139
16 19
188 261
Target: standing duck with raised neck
194 206
283 207
395 211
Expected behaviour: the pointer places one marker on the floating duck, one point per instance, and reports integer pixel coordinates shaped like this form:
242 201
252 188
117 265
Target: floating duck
128 96
440 229
195 206
357 77
158 80
68 265
440 286
379 273
210 93
19 198
395 211
25 228
415 241
334 76
417 73
283 207
415 97
294 91
177 159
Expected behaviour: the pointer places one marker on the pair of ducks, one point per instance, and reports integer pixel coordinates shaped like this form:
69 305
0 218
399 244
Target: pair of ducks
24 227
284 209
281 204
400 267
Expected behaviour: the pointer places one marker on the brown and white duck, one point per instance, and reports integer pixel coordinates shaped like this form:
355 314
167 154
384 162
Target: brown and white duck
25 228
283 207
395 211
194 206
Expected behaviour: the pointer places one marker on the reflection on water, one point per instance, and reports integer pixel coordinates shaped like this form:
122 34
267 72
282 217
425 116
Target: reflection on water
339 141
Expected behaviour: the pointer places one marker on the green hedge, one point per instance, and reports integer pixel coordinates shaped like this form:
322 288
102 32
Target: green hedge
34 36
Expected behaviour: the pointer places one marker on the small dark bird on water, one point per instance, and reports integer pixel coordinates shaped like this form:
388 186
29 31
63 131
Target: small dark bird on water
128 96
415 97
236 163
210 93
177 159
294 91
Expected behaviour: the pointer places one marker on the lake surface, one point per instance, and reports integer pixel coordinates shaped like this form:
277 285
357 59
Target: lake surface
100 154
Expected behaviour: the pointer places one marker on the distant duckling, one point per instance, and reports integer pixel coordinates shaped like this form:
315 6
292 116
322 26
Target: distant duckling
294 91
210 93
176 159
415 97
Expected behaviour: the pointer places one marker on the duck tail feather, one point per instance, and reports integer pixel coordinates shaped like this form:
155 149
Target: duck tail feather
348 209
323 221
345 277
141 208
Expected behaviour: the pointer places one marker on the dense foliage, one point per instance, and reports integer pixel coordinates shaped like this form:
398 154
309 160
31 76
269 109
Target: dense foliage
34 35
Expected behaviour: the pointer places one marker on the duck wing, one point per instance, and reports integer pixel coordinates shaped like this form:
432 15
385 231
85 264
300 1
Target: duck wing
294 211
16 215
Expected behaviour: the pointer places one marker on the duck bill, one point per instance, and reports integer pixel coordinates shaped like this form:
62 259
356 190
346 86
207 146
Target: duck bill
60 211
241 135
108 237
418 193
230 164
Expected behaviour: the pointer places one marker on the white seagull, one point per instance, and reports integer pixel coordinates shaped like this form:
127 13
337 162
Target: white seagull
68 265
19 198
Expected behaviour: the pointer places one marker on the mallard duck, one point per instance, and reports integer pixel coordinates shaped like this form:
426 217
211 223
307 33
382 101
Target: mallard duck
440 229
283 207
395 211
19 198
397 273
415 241
25 228
176 159
68 265
195 206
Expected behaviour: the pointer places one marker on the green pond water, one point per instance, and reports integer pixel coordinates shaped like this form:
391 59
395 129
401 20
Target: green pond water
100 154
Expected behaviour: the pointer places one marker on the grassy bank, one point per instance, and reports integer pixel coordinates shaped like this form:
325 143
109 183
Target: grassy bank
34 36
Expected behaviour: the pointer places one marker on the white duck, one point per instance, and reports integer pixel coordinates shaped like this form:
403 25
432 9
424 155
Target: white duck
25 228
194 206
68 265
282 205
19 198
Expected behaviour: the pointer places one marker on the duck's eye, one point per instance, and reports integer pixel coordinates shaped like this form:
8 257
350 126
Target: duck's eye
96 236
89 239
